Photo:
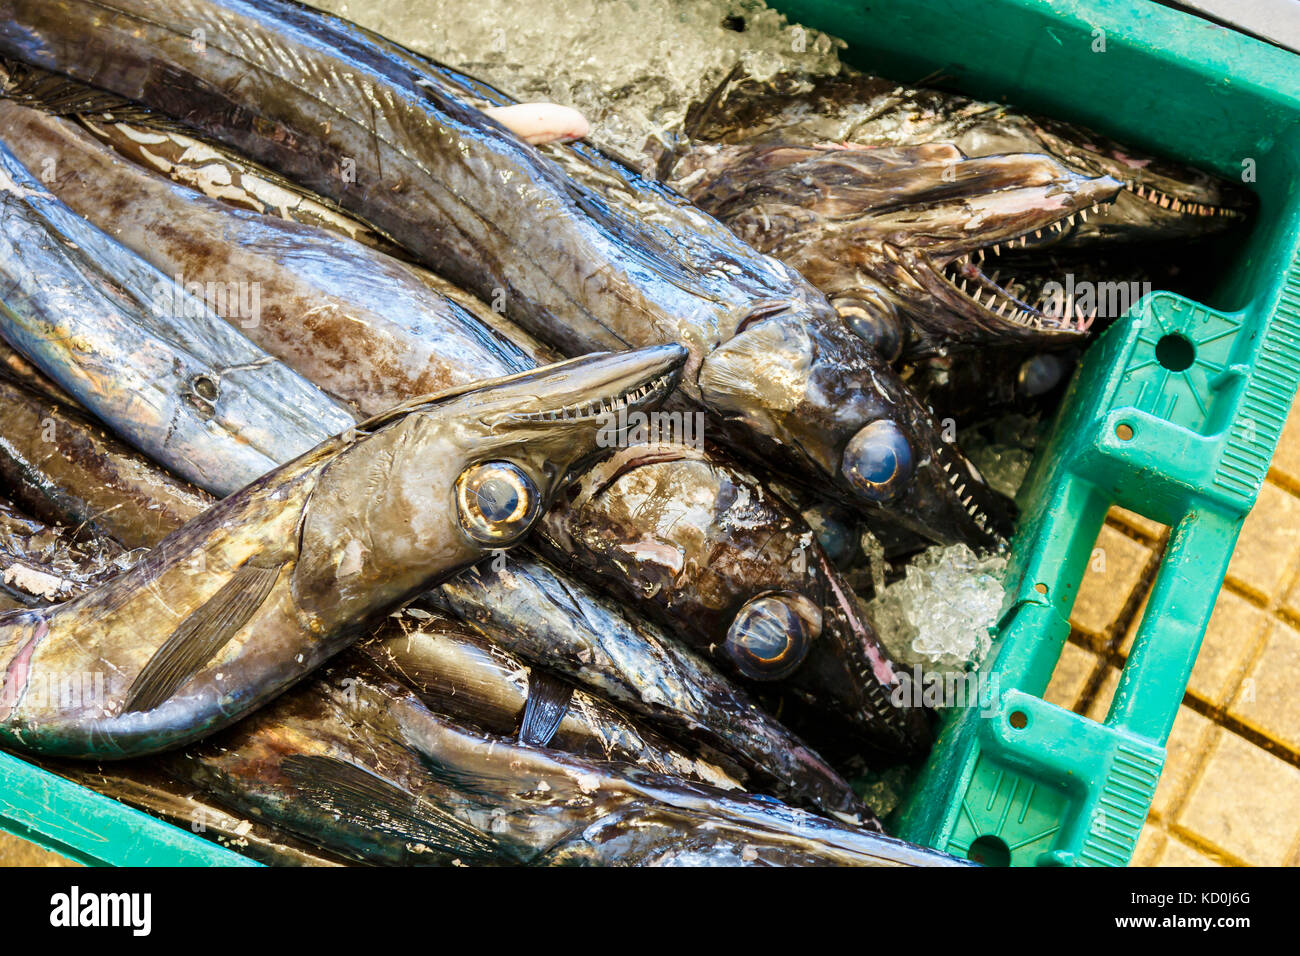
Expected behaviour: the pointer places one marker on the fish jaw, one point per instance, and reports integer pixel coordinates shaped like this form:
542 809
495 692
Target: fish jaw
826 403
884 231
1160 199
443 480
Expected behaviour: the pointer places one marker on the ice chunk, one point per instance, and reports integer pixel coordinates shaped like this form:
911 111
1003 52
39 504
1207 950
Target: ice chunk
941 614
633 67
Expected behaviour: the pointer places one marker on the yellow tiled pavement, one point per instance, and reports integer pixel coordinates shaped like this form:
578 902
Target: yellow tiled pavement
1230 792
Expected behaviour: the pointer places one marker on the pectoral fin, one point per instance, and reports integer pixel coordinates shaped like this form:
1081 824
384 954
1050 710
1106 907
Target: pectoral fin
355 794
201 636
548 702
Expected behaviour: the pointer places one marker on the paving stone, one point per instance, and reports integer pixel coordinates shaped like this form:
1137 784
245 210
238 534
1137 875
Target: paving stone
1114 571
1234 631
1131 519
1266 553
1072 672
1101 701
1286 460
15 851
1244 801
1269 698
1178 853
1185 750
1151 841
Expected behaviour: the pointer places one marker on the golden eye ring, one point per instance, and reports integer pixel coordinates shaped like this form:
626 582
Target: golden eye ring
496 503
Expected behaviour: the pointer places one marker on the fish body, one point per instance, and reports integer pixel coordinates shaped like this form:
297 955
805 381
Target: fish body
264 586
459 673
359 324
584 253
180 383
529 608
66 469
415 788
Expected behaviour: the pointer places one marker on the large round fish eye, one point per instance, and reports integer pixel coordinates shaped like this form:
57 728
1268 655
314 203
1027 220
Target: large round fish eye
496 502
771 634
878 461
874 320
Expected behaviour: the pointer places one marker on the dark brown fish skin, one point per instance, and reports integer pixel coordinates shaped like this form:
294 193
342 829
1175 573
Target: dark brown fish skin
461 674
146 787
900 238
535 611
693 541
64 565
602 275
263 587
869 110
64 468
448 794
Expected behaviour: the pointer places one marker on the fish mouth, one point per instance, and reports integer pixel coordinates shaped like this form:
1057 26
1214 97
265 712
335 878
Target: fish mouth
975 282
1181 205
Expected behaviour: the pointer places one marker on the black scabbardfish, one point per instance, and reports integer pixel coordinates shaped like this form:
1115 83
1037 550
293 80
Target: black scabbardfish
263 587
583 252
416 788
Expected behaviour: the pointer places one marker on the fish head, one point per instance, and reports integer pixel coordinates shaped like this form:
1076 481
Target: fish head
1161 199
438 482
816 398
895 236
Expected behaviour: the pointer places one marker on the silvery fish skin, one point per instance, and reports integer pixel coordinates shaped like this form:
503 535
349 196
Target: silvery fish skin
461 674
415 788
621 260
704 548
150 789
266 585
177 381
532 610
909 242
360 325
1160 199
40 563
320 294
64 468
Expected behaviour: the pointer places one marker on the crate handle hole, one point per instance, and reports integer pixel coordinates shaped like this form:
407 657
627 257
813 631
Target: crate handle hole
989 850
1018 719
1175 352
1124 431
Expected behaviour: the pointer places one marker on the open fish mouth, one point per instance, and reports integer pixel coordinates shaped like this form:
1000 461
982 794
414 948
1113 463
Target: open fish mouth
1183 206
982 280
633 399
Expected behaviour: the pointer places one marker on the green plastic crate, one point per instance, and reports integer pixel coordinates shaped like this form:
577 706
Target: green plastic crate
1028 780
1024 781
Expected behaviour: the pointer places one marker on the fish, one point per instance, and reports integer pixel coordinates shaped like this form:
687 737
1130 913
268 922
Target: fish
908 241
42 563
1160 199
269 583
532 609
319 315
402 143
365 328
178 382
461 674
64 468
728 566
139 784
358 764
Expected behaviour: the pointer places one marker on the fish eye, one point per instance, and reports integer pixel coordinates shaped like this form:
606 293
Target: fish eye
878 461
873 319
771 634
1040 374
496 502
